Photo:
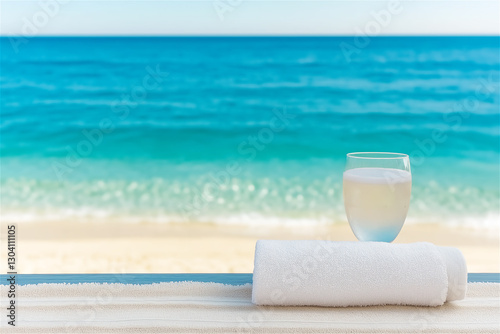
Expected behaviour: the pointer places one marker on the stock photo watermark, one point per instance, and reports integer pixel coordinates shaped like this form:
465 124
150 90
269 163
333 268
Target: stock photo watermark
291 280
120 108
380 20
248 150
453 119
33 25
11 273
224 7
98 302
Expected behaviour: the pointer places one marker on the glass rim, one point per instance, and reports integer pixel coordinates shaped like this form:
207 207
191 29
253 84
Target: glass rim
383 155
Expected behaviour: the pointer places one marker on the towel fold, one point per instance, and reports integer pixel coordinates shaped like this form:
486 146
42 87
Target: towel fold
330 273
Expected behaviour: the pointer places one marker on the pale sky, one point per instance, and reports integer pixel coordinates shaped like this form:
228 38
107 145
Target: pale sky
248 17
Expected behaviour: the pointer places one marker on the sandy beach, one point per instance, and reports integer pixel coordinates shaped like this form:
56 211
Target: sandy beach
189 248
178 157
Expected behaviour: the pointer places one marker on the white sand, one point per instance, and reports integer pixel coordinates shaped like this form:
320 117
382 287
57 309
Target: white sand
70 247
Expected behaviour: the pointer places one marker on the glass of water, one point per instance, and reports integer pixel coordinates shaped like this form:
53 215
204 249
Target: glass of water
377 190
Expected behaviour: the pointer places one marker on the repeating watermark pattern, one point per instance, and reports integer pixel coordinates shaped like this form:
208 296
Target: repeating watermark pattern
424 317
98 302
248 150
292 280
32 26
453 119
380 20
224 7
120 108
420 319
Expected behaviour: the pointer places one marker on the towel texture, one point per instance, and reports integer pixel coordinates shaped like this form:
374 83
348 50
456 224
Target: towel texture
216 308
330 273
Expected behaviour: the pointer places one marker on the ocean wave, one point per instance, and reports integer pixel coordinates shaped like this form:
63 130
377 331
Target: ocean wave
220 93
288 200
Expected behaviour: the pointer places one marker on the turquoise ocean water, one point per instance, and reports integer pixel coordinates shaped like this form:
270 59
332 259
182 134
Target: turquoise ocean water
243 130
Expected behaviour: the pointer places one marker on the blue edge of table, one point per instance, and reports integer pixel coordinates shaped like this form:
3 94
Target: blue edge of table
232 279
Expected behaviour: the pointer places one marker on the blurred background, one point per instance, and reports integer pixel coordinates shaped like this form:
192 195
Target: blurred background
224 116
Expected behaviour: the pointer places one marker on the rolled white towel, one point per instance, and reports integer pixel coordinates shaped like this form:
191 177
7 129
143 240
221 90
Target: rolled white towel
333 273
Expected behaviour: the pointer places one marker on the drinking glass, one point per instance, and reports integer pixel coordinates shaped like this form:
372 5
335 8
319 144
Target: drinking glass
377 190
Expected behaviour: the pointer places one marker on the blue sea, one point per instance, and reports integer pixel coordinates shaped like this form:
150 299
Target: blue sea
249 130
